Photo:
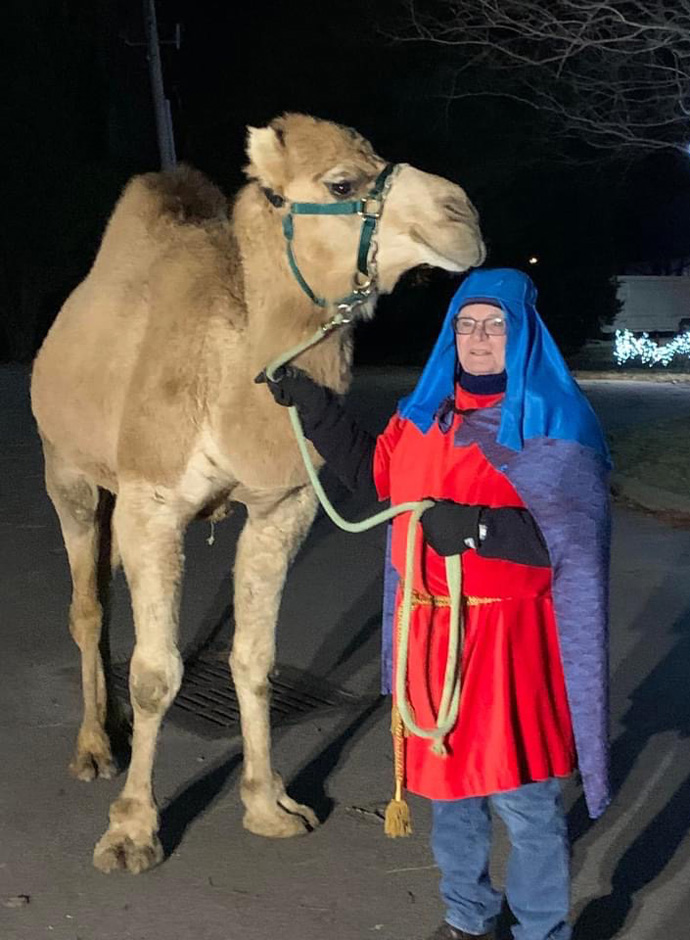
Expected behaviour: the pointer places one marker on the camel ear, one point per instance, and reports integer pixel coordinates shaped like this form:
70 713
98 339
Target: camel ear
266 157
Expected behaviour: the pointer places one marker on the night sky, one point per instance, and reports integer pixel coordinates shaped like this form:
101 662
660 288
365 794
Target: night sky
78 122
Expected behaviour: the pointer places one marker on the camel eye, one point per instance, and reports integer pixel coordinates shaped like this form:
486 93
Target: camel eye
341 189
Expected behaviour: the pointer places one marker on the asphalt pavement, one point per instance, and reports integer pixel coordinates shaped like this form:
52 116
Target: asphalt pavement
345 880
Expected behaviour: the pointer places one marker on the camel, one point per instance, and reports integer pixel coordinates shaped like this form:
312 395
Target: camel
144 388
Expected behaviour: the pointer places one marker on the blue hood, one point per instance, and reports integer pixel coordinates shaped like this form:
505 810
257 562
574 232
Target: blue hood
542 398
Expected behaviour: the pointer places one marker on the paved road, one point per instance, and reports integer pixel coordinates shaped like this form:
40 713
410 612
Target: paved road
619 403
632 868
622 405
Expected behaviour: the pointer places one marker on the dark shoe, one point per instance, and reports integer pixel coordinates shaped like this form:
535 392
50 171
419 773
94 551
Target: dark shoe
447 932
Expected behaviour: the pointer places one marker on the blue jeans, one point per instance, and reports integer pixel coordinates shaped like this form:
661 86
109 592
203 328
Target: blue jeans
538 879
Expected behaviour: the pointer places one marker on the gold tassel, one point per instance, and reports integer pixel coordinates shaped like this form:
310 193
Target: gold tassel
398 821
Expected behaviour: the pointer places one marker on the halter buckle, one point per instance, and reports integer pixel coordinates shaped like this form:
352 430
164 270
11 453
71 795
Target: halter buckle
337 320
371 207
362 283
351 305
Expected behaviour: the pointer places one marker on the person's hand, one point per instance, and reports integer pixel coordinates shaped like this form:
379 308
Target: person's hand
292 386
448 526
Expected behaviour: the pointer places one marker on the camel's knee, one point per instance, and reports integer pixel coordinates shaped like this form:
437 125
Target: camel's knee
150 690
81 498
75 497
153 686
85 617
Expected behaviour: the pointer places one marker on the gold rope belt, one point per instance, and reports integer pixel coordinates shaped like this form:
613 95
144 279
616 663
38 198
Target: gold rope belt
419 599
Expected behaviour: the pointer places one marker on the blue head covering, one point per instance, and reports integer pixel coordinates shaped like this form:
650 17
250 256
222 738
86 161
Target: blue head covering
542 398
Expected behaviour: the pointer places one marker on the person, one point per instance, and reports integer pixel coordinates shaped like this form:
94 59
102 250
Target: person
499 435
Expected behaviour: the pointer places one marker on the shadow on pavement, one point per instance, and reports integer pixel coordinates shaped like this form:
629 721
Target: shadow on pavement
309 784
335 659
659 704
194 800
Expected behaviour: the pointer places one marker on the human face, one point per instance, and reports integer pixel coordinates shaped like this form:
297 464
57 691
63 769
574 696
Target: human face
478 352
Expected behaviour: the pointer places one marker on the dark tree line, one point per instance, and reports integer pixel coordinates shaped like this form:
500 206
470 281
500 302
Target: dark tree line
79 123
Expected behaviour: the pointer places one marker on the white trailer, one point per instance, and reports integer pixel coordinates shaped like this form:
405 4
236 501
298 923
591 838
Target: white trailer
652 304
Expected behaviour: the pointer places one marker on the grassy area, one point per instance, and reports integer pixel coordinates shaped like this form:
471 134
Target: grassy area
656 456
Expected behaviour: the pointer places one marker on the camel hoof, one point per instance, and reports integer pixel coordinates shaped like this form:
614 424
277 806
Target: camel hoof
87 765
299 809
289 819
117 852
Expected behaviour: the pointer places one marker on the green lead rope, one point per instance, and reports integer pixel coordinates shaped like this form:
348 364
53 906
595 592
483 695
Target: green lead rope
450 698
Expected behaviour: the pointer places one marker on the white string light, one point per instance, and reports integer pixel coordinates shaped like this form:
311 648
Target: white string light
629 347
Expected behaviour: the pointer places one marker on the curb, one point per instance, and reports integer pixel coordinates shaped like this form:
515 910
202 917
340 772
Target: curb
674 378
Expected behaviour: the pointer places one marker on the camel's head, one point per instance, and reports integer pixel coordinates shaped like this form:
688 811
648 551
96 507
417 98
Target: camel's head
425 219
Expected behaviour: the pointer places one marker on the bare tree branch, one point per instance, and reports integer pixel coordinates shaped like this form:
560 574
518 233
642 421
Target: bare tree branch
616 74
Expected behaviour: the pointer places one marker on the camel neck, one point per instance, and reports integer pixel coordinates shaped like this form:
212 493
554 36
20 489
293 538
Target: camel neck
279 314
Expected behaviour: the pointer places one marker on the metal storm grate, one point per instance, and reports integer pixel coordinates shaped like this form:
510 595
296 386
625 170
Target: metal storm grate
207 702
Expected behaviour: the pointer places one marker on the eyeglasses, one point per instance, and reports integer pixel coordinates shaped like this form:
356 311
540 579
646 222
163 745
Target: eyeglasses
492 326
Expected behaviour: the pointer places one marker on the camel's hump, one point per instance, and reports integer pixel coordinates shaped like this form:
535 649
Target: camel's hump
182 194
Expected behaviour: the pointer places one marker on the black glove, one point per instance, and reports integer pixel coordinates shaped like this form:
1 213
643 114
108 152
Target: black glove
509 533
347 448
447 524
513 535
292 386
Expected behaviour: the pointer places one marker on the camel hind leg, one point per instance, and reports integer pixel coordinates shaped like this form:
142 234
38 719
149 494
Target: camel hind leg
75 498
274 530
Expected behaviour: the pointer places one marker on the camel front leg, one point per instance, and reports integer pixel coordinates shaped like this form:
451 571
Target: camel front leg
149 533
273 533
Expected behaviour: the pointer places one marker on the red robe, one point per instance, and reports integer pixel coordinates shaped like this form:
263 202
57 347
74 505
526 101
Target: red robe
514 724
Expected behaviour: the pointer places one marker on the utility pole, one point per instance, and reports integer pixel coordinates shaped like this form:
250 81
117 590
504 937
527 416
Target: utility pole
161 105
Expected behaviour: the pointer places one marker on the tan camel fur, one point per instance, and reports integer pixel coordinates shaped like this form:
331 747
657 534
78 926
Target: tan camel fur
144 388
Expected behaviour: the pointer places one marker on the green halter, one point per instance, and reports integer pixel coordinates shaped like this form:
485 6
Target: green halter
369 208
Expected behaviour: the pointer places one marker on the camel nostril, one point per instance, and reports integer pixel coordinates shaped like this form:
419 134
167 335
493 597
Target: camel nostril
460 211
453 209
